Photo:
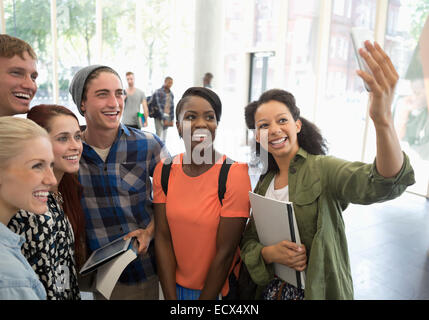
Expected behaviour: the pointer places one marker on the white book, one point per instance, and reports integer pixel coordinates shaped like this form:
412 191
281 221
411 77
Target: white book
275 221
109 273
110 261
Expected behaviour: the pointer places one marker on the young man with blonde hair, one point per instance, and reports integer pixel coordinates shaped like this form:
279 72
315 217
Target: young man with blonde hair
18 73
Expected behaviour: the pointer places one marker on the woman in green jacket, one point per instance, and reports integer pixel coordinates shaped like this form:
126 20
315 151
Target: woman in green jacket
320 187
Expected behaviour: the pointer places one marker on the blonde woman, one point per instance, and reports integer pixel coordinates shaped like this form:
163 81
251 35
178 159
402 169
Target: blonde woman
55 241
26 176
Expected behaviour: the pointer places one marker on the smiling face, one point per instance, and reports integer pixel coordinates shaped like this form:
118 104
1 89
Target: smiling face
104 102
66 143
25 180
17 84
276 130
197 122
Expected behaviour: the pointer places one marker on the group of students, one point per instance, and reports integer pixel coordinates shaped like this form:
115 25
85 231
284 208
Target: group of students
65 192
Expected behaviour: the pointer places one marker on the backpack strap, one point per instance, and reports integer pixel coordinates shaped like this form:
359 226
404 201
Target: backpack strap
165 175
223 176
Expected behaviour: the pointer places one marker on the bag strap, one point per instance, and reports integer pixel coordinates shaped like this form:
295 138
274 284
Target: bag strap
223 176
165 175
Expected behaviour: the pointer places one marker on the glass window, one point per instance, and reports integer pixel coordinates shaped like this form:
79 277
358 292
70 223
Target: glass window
2 20
234 25
151 56
231 67
234 43
301 47
119 31
76 43
344 104
264 23
406 22
34 26
261 77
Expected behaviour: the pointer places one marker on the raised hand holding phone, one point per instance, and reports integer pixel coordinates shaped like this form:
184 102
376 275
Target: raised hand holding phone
359 36
382 83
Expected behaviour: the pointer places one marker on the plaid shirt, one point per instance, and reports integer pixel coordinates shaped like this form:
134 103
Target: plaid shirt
160 97
117 194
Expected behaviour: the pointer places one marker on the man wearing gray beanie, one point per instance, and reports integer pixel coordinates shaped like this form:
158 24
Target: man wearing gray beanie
115 171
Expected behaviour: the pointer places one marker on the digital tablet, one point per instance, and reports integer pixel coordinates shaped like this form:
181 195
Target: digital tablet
105 254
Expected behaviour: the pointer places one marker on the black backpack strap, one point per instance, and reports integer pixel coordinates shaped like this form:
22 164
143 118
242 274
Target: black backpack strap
165 175
223 176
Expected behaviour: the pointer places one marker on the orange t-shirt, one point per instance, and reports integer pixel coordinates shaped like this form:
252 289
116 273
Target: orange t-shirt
193 212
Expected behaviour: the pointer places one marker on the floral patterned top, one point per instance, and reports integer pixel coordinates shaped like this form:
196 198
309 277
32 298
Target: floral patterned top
49 248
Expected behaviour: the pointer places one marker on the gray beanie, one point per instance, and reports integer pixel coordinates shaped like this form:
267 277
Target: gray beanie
79 80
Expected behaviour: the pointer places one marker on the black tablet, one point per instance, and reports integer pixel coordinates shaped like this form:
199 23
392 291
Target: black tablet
105 254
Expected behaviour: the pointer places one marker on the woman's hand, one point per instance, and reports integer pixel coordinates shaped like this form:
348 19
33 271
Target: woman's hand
389 158
382 84
288 253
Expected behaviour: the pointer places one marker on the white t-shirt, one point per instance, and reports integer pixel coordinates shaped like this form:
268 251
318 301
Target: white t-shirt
279 194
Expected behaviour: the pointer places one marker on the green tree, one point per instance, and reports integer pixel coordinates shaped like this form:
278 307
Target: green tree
30 21
420 11
155 34
33 26
76 23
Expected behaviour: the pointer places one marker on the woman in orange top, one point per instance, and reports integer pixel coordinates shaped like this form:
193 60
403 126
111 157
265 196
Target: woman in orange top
196 235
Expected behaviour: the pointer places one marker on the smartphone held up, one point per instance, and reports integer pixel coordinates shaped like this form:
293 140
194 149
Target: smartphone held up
359 36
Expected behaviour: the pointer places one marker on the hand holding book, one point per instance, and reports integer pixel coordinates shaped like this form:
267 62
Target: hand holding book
278 231
287 253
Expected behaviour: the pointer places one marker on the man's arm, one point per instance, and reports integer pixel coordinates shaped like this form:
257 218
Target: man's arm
145 112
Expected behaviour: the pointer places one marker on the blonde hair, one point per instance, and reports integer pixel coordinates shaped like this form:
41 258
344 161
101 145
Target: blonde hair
14 132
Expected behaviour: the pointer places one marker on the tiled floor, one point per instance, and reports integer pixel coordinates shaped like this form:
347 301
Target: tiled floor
389 248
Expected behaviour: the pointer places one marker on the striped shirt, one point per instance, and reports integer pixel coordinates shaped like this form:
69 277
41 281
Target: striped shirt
117 193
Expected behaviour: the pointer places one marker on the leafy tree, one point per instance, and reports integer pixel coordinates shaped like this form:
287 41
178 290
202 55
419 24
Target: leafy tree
155 33
33 26
76 23
420 11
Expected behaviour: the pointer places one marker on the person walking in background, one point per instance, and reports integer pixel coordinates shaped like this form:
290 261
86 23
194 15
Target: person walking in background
18 73
26 176
163 101
207 80
115 170
320 187
197 227
134 98
52 238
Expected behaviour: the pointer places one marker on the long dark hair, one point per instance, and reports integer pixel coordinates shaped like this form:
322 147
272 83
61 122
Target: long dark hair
309 138
69 186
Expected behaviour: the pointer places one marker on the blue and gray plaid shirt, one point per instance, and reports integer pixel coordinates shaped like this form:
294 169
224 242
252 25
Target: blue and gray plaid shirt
117 194
160 97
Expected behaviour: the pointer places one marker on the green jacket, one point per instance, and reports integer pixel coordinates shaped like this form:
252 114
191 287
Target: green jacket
320 188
